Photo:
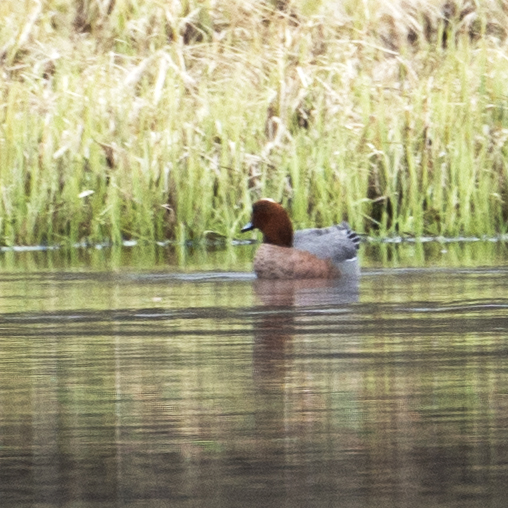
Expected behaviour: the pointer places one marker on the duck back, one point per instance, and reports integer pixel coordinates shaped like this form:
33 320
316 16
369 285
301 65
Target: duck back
337 242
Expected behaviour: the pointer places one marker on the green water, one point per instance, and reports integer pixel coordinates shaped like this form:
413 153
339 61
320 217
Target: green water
151 377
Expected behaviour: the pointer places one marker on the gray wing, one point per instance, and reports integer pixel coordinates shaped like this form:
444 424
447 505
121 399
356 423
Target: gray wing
338 243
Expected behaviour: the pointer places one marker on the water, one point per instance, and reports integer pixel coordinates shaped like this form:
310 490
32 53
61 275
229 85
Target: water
147 380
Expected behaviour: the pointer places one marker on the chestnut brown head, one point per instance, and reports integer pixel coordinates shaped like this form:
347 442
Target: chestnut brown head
273 221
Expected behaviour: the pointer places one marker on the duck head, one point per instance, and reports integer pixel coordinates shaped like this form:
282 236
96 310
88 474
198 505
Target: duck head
273 221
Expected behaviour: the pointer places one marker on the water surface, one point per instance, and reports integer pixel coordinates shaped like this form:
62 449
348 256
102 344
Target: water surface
161 378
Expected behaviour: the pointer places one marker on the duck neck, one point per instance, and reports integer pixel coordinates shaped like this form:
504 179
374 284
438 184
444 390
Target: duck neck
281 236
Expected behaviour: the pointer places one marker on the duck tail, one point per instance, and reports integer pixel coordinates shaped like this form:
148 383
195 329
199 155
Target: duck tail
352 235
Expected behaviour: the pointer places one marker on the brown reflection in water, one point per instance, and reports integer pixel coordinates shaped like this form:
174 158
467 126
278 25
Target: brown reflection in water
273 375
307 292
274 331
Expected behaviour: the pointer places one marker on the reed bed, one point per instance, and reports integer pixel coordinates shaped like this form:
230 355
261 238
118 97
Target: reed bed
391 115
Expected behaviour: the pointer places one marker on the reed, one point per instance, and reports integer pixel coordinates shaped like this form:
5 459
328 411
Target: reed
391 115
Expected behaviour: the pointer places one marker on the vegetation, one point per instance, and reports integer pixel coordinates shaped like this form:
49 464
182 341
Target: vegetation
392 115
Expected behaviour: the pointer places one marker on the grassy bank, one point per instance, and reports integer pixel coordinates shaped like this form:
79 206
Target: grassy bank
392 115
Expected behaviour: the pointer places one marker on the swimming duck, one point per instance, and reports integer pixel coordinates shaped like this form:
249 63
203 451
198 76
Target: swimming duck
306 254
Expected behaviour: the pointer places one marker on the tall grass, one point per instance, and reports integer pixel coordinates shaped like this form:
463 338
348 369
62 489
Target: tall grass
391 115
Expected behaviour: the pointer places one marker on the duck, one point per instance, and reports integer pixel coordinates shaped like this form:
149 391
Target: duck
305 254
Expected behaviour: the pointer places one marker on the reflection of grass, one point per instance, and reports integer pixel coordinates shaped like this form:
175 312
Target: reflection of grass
147 257
239 258
446 255
389 114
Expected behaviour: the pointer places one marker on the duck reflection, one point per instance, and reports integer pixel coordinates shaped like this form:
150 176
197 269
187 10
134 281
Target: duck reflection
287 301
307 292
286 305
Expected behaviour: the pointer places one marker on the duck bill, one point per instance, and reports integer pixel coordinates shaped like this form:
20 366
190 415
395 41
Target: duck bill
247 227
